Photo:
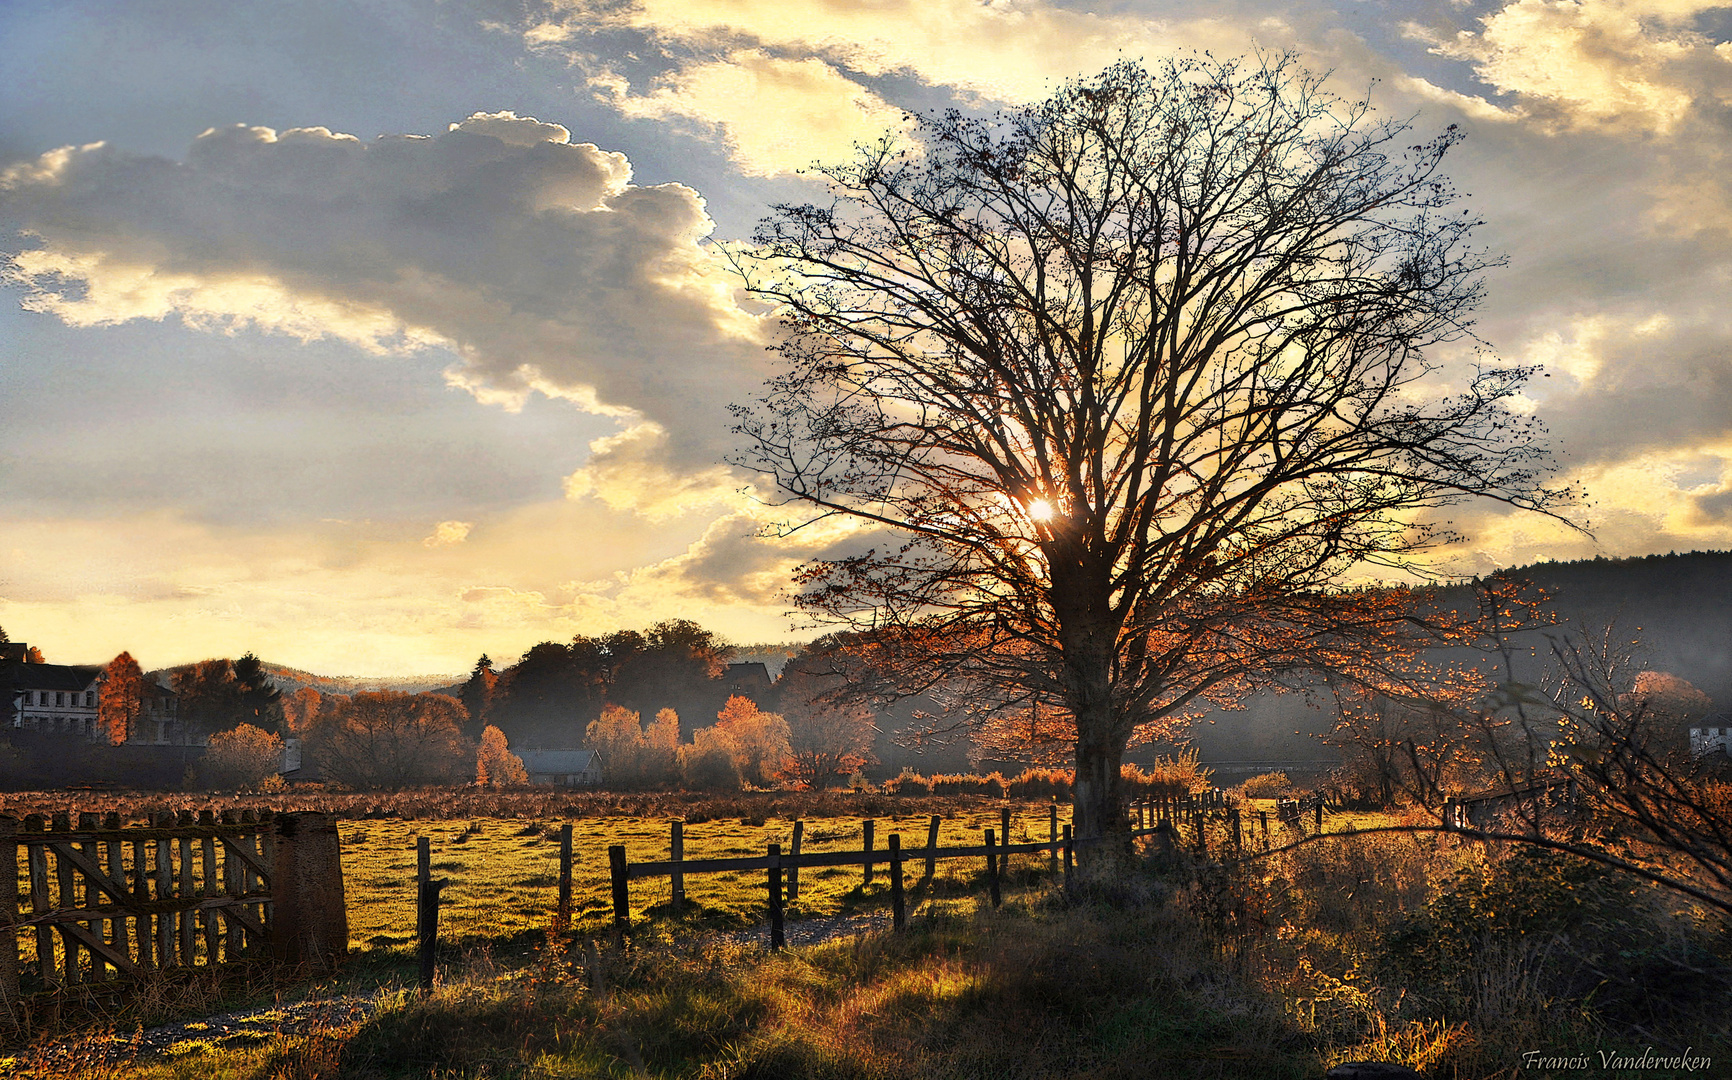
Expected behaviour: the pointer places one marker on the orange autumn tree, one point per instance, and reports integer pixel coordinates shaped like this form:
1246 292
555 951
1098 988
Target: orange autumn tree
1116 389
495 765
757 741
120 702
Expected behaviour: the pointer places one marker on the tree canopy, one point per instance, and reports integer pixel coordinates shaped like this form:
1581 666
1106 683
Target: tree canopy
1117 388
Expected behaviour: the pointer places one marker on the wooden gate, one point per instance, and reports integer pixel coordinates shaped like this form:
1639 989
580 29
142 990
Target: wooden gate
110 901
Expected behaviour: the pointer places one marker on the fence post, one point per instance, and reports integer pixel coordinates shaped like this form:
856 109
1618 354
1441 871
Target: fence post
931 849
1319 813
794 871
427 910
1238 836
1052 838
9 918
991 869
1449 813
621 894
898 910
1004 840
562 920
866 828
777 938
677 852
309 924
1068 856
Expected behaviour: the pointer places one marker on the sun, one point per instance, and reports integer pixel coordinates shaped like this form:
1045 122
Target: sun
1040 510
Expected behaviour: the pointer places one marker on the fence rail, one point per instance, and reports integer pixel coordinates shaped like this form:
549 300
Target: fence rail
1148 818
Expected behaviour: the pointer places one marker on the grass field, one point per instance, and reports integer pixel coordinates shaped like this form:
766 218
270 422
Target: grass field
504 873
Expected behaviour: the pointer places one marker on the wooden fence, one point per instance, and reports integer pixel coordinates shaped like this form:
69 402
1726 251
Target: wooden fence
1480 810
1148 817
99 906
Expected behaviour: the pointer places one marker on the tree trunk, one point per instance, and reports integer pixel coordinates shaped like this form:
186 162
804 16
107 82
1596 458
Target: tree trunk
1102 827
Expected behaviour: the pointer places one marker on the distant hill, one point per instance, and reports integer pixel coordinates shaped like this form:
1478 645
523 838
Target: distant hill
288 680
1678 606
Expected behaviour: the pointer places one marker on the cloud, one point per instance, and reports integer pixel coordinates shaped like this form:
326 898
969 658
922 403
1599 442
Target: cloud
369 597
777 115
1630 65
533 259
448 532
785 84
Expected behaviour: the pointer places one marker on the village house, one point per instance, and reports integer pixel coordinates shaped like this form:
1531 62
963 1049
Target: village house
62 699
562 768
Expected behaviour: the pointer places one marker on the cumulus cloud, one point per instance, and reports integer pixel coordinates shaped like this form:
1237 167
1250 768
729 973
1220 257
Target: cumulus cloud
1637 65
448 532
786 84
777 115
534 259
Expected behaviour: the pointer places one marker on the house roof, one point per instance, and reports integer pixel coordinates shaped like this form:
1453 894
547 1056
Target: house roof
50 676
559 762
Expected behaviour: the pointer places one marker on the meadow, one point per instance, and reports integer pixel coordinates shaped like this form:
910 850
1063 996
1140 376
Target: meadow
1453 957
504 872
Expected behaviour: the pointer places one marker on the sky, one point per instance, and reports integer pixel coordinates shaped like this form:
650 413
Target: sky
373 335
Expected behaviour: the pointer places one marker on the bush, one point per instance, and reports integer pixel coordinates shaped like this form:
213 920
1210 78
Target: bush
1041 784
708 768
1167 778
245 758
908 782
1266 786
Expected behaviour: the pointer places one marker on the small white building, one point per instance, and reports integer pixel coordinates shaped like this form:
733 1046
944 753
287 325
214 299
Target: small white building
562 768
1708 740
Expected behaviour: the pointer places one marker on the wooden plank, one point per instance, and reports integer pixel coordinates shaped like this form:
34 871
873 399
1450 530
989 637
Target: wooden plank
142 924
118 941
242 920
211 887
562 918
84 863
233 936
931 848
620 874
164 853
36 860
898 910
241 848
98 948
66 897
637 871
9 993
94 927
186 889
794 867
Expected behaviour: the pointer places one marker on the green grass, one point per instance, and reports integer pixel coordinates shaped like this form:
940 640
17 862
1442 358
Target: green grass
504 873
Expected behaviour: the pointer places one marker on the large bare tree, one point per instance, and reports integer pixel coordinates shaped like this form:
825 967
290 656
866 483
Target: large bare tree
1118 386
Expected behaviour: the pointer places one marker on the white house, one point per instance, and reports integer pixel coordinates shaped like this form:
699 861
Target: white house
1707 740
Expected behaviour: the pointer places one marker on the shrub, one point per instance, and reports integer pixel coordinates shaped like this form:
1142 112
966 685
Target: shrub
908 782
1266 786
706 766
246 758
1041 784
